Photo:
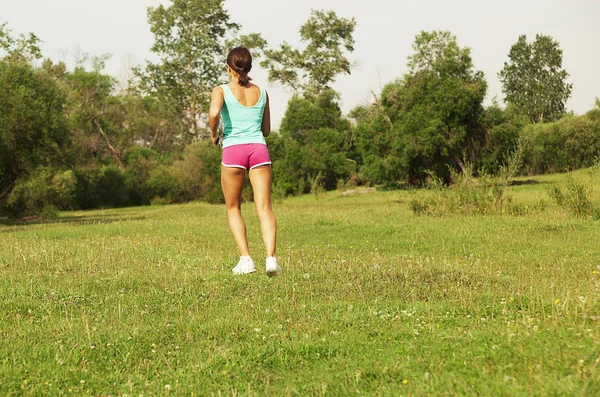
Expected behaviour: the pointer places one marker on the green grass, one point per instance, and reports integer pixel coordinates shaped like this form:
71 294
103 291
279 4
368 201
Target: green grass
372 300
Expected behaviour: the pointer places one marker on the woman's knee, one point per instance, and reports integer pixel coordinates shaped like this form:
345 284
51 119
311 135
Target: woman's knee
233 206
264 210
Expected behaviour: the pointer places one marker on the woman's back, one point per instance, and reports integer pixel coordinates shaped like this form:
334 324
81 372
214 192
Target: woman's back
242 114
247 96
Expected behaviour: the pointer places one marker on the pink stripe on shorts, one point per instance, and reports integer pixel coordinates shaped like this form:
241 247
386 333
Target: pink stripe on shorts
246 155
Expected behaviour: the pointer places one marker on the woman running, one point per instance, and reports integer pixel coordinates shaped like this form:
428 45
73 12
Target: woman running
244 108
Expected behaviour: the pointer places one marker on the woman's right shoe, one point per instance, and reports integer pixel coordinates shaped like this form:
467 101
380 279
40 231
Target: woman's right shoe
244 266
273 268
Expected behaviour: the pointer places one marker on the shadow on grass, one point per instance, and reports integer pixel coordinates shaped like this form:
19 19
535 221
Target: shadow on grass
73 220
526 182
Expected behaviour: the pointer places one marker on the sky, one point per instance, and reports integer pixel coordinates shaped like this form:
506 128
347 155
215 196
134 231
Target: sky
384 35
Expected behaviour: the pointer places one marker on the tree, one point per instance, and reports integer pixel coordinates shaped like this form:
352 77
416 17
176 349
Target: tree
152 124
96 116
21 49
191 40
33 130
311 151
428 119
533 79
313 70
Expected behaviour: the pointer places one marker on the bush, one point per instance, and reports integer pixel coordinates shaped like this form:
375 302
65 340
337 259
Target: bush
44 187
112 189
310 154
140 162
571 143
576 197
466 195
86 190
164 183
198 173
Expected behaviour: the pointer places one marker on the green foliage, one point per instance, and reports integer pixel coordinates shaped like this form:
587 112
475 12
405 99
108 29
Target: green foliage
570 143
22 49
191 41
151 124
533 79
101 187
42 188
164 183
312 113
313 70
135 146
141 162
112 188
469 196
99 120
198 173
33 131
86 192
577 197
428 119
594 114
503 127
311 152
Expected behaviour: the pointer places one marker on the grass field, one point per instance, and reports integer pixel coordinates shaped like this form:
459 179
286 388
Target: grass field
372 300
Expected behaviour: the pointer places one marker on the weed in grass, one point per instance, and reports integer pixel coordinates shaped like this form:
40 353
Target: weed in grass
467 195
576 197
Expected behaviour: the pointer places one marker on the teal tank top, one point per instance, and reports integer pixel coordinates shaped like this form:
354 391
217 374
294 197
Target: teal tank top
242 124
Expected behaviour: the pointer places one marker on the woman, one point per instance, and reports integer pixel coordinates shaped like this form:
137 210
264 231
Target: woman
244 108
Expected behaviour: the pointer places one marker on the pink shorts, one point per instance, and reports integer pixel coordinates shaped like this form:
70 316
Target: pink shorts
246 156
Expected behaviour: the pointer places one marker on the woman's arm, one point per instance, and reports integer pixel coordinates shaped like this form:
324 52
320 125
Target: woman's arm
216 103
266 121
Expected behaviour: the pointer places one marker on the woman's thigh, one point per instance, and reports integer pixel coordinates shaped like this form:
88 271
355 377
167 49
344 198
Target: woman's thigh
232 183
260 178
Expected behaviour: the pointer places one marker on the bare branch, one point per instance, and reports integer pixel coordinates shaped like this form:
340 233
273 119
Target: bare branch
380 106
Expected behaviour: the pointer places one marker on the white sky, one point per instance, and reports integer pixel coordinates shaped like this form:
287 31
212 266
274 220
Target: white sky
384 34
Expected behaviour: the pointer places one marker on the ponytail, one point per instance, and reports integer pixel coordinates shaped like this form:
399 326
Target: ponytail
243 78
240 61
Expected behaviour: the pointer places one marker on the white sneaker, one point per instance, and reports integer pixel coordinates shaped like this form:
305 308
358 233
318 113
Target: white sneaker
244 266
273 268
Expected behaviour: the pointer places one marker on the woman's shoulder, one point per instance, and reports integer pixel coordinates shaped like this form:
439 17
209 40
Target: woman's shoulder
254 86
260 89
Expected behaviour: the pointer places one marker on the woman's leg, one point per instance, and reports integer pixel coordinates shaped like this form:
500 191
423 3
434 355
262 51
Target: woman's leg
232 182
260 178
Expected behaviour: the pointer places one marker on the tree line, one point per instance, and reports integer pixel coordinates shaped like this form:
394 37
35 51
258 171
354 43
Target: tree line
69 139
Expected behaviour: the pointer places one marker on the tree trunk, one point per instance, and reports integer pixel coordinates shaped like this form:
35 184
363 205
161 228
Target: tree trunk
112 149
6 190
193 127
380 106
156 134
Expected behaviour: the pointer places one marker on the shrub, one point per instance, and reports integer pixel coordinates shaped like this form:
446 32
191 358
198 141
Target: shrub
44 187
86 190
571 143
198 173
164 184
466 195
576 197
140 162
112 188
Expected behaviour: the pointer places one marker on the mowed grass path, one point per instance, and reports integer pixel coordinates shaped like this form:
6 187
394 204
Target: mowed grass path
372 300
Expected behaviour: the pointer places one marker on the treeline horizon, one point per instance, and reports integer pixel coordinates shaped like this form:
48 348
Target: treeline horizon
69 139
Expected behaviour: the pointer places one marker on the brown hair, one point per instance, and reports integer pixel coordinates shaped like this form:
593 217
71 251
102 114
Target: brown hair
240 61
